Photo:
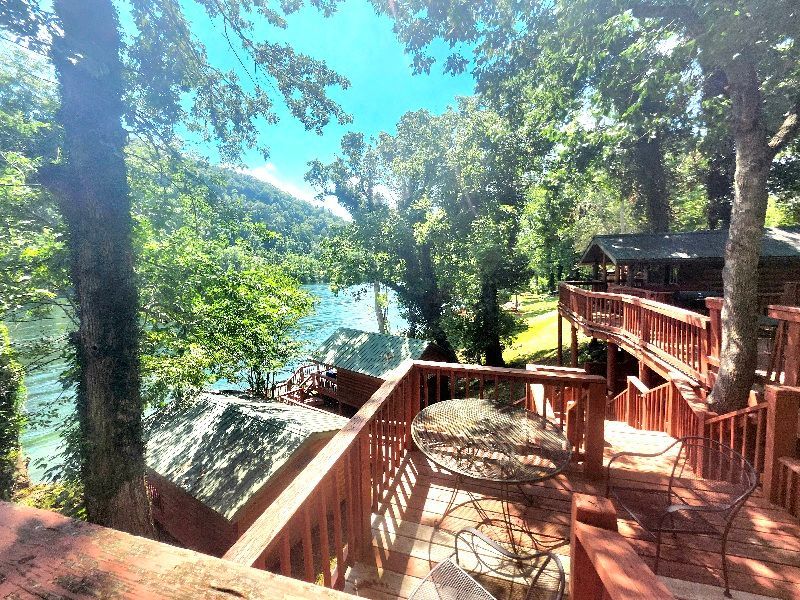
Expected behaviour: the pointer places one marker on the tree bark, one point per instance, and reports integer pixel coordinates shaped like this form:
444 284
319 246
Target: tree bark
743 249
489 324
719 188
381 308
95 202
650 182
722 162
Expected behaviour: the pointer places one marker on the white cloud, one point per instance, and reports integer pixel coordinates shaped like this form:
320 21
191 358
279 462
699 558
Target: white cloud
269 172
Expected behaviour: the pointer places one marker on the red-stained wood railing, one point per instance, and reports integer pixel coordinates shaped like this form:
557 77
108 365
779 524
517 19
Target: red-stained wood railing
603 564
742 430
677 338
783 405
788 485
301 375
571 398
664 295
320 524
325 513
617 406
649 409
784 364
47 555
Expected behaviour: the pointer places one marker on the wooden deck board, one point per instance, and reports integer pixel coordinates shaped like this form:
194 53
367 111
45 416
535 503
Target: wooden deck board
411 533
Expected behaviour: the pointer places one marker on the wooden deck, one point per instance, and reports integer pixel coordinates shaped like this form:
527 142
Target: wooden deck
412 533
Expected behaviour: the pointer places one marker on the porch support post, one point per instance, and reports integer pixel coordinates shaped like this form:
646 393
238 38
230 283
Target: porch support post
782 406
611 369
604 271
594 432
574 345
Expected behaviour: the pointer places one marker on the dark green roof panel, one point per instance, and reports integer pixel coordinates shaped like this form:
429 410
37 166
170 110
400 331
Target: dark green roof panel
222 450
676 247
373 354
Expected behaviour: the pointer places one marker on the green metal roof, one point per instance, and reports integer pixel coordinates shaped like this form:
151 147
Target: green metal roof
676 247
222 450
373 354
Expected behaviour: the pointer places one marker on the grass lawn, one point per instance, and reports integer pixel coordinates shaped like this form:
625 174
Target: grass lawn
537 343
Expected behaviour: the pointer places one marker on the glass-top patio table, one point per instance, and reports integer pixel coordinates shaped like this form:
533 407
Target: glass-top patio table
485 440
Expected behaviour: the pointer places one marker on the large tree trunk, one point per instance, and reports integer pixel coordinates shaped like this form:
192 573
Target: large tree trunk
489 323
719 188
743 250
381 302
722 159
95 203
650 182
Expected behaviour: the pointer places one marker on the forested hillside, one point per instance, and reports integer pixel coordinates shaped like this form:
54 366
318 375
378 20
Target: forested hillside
300 225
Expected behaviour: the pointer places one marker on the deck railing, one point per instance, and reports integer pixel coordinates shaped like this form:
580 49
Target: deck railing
603 564
301 374
677 337
784 366
321 522
326 510
764 433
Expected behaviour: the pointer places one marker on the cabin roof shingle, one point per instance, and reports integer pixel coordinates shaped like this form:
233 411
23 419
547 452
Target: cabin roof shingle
373 354
222 450
675 247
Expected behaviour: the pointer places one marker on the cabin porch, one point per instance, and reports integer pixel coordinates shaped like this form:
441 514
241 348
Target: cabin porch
415 529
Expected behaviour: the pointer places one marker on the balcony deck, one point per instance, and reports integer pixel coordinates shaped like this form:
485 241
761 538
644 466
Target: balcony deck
763 550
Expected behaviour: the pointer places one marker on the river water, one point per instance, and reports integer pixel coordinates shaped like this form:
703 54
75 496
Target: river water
46 395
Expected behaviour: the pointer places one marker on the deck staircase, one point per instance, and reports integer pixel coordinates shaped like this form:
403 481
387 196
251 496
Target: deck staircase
310 384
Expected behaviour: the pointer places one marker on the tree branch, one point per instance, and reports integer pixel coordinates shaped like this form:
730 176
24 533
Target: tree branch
677 13
788 130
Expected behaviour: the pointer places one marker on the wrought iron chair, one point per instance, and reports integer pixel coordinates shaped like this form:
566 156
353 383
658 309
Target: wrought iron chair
480 564
708 485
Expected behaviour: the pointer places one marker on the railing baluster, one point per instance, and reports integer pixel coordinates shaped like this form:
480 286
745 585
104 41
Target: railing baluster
324 546
308 550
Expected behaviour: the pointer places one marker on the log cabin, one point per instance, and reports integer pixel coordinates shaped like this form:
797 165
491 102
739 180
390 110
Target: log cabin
215 464
361 361
659 265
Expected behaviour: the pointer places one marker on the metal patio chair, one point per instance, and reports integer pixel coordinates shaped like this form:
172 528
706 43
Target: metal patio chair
480 564
708 485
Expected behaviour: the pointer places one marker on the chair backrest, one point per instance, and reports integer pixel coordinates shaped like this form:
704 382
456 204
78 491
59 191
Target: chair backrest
709 473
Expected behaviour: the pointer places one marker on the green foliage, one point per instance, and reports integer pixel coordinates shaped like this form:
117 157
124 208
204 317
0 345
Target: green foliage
12 420
436 217
212 304
629 98
64 498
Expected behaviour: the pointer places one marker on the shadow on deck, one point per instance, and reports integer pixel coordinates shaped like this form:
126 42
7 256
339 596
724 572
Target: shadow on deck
415 529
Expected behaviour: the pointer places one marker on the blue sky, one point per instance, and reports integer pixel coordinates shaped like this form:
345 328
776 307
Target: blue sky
360 45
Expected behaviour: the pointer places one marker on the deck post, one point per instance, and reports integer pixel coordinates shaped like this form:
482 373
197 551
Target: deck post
560 349
584 581
673 410
594 431
645 374
783 404
630 403
574 345
412 404
611 369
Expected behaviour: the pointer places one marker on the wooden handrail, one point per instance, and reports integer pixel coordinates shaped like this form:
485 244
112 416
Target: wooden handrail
675 337
366 456
603 565
535 373
737 413
268 531
47 555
